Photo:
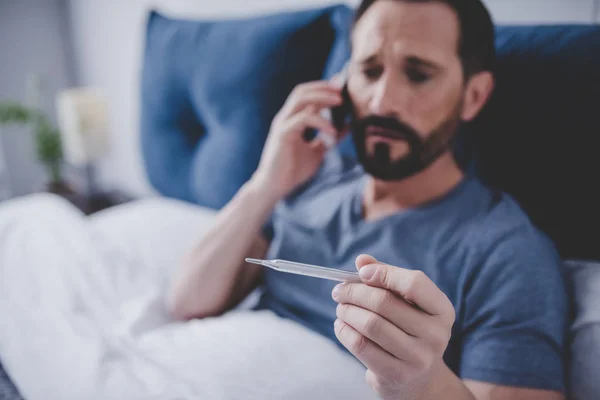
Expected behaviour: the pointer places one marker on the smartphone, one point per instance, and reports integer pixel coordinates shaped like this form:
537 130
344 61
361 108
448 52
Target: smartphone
340 115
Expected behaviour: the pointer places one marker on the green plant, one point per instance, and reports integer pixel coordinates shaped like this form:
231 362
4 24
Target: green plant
47 138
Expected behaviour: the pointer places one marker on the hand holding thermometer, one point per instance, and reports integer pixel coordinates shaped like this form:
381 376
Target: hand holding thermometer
308 270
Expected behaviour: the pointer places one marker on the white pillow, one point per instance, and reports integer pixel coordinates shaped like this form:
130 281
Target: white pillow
249 355
159 231
584 363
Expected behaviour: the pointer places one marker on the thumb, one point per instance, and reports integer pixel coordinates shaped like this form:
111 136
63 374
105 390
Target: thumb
364 259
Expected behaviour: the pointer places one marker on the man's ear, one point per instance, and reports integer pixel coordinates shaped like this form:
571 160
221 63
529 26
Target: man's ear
478 91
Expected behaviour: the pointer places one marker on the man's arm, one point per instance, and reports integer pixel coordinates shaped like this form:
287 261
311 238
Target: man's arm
215 276
448 386
486 391
398 324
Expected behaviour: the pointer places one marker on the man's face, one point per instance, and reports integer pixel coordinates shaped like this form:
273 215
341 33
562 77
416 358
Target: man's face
406 83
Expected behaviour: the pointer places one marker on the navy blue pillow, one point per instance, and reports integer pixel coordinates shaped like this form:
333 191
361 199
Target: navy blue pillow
339 56
536 138
210 90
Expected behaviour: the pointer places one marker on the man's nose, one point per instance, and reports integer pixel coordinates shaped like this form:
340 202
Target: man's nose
387 97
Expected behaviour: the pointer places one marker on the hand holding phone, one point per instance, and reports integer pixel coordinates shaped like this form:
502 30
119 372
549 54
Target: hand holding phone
288 160
339 115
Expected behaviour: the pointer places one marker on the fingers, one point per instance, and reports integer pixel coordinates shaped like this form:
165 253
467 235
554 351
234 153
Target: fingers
321 99
307 118
379 330
364 259
385 303
413 286
370 354
338 80
320 94
315 85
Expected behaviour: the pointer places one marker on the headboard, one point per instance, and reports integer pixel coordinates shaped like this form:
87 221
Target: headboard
210 90
535 139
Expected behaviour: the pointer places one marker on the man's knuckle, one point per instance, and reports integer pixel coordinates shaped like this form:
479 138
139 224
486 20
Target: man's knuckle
383 300
446 319
298 89
413 284
440 339
384 276
419 359
277 118
359 344
341 330
294 97
429 359
342 310
450 316
344 334
373 325
423 356
350 291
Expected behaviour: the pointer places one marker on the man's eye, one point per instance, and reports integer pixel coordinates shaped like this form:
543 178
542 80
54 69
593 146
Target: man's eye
417 76
372 73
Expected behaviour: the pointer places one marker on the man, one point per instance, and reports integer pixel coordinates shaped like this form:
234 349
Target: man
462 297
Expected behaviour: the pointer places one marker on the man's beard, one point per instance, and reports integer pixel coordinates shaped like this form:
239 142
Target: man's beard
421 152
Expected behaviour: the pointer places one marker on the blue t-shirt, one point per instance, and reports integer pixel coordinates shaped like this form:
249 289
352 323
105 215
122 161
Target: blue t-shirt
503 276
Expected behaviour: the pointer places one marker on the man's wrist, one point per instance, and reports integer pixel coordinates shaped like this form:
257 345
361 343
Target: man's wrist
444 384
259 189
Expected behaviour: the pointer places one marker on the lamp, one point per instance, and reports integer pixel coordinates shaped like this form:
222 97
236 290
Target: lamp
83 122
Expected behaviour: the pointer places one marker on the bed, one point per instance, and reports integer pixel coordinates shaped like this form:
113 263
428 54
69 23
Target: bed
202 131
535 139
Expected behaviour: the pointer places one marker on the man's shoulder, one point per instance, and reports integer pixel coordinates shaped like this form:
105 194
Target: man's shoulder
503 235
320 198
504 218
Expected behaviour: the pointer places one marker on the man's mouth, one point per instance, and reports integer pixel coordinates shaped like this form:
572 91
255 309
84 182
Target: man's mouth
381 132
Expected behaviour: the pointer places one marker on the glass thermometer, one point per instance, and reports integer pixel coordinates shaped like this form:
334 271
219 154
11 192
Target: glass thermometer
308 270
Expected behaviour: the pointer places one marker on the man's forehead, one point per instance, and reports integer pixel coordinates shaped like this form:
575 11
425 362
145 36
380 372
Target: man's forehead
428 30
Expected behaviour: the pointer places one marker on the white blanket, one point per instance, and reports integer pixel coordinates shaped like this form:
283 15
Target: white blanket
82 316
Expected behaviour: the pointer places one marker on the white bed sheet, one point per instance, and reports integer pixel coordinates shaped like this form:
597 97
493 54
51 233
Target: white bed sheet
82 315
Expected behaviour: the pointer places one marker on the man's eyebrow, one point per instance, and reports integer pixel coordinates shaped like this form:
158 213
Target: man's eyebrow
368 59
415 61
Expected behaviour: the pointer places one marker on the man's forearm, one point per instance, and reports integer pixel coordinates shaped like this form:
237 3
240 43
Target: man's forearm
206 282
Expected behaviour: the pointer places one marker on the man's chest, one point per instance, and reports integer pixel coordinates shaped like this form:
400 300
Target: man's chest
335 240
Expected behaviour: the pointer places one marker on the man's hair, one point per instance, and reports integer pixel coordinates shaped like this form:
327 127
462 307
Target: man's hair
476 43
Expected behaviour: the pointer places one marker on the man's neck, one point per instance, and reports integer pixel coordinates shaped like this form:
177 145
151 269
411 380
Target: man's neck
382 198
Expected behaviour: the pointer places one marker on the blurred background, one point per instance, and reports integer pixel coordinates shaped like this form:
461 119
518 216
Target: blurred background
48 46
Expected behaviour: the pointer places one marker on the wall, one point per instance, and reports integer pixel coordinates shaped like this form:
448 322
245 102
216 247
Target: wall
543 11
108 38
108 34
33 40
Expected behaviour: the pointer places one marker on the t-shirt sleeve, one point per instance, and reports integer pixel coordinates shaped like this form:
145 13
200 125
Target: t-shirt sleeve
332 165
516 314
